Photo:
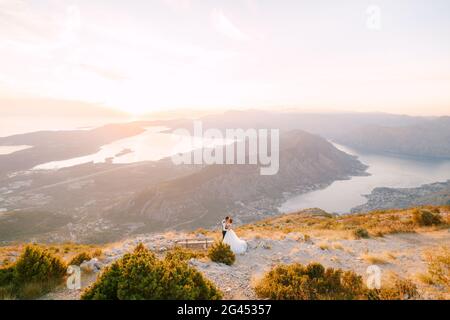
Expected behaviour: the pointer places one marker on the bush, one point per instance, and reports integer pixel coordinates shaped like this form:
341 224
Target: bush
6 276
311 282
400 289
97 253
37 265
141 276
426 218
221 252
439 266
35 273
361 233
80 258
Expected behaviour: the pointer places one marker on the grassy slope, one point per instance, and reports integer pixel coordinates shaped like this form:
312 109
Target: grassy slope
318 222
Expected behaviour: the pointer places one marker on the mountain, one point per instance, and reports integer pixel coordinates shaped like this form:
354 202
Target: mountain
200 199
330 125
98 202
375 132
429 139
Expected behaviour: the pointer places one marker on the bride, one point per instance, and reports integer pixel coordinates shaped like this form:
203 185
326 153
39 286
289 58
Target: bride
237 245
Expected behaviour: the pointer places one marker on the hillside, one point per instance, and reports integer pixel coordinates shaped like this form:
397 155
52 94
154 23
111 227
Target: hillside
375 132
102 202
307 162
429 139
396 242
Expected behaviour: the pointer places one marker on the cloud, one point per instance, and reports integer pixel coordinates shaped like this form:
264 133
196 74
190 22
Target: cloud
226 27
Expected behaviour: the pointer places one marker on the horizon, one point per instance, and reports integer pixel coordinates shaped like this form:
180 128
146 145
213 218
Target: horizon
183 55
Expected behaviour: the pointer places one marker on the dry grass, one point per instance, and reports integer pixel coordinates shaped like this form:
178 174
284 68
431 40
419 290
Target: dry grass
374 258
66 251
317 222
438 261
324 245
337 246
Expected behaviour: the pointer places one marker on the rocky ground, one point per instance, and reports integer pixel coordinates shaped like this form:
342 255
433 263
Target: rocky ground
401 254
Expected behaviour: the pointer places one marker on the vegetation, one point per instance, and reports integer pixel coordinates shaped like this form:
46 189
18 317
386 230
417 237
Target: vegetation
66 251
314 282
140 275
397 289
439 267
79 259
36 272
221 252
426 218
311 282
375 258
360 233
375 223
183 254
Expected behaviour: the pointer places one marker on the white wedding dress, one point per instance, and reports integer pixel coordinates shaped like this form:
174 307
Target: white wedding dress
237 245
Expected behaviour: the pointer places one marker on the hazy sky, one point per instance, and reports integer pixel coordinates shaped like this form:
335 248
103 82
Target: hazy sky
151 55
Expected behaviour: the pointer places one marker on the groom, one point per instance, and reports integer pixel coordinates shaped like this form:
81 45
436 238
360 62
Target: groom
225 226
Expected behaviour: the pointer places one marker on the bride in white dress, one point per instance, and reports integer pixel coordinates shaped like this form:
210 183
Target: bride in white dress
237 245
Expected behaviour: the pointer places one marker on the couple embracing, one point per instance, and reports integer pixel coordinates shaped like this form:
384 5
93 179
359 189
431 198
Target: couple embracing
229 237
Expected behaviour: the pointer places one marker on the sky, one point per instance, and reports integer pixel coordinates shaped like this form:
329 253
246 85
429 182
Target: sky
155 55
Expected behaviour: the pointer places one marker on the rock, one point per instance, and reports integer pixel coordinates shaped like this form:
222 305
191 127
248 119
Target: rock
92 265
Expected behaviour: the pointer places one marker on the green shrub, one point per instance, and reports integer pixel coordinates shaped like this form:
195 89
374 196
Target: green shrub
6 276
426 218
311 282
35 273
361 233
221 252
37 265
80 258
141 276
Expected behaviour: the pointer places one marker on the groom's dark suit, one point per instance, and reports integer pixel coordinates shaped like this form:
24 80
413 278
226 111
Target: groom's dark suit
224 228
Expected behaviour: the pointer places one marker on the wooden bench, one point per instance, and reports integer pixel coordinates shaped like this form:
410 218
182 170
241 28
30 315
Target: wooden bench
204 243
